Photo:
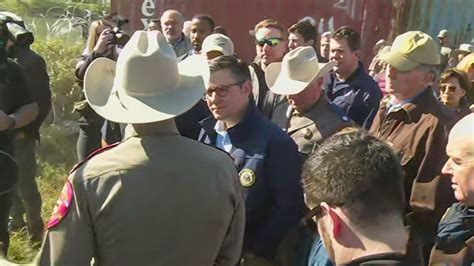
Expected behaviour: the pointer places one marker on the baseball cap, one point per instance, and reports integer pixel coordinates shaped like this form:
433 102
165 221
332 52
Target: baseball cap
411 49
218 42
443 33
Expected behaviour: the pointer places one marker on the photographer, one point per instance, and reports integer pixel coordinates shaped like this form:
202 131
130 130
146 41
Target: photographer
27 197
106 38
17 109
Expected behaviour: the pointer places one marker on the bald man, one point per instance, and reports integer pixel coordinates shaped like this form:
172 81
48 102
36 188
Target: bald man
172 25
455 240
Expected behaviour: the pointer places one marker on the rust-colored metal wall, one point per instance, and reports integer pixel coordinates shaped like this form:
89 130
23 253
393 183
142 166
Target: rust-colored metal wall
375 19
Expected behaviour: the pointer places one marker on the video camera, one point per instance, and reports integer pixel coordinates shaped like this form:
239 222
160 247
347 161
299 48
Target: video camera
14 28
120 37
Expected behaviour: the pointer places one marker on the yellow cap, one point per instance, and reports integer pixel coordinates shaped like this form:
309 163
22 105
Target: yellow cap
411 49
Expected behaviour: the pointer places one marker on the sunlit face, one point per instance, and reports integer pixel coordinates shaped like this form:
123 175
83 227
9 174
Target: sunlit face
172 26
295 40
451 92
402 84
346 60
233 98
270 53
325 46
304 101
200 29
460 168
443 41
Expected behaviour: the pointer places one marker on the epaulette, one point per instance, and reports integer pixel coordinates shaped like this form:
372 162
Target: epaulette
92 154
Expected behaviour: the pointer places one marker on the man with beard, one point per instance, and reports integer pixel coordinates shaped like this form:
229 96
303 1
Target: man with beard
354 184
202 25
172 25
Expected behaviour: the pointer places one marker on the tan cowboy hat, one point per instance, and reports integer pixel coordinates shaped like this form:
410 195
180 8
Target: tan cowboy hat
297 70
146 84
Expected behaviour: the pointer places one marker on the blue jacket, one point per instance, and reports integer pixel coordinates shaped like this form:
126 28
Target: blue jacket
454 229
269 170
359 96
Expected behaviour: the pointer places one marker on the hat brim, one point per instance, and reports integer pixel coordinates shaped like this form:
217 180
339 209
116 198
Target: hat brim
398 61
283 85
216 48
456 52
115 105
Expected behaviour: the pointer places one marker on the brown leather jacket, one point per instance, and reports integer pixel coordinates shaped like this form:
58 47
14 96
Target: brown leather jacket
418 132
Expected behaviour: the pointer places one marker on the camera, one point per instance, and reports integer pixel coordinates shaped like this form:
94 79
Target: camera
14 28
120 37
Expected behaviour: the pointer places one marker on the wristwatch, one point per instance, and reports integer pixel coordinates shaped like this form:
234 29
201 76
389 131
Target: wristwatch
12 122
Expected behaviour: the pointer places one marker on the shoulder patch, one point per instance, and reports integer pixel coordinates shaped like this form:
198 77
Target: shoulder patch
62 205
92 154
247 177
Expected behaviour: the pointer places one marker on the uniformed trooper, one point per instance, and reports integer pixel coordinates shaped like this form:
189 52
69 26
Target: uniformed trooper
455 238
308 116
156 198
267 159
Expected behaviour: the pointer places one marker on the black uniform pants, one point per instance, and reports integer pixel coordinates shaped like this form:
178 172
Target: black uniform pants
27 198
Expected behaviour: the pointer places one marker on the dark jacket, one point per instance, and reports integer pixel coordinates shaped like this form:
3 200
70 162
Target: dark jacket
461 112
14 93
418 132
455 240
358 96
269 168
266 100
188 123
37 80
380 259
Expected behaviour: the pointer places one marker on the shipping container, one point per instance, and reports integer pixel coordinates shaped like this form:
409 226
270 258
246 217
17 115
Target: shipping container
375 19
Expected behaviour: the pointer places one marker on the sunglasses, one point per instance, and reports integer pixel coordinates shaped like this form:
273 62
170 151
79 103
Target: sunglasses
314 212
448 88
221 90
270 41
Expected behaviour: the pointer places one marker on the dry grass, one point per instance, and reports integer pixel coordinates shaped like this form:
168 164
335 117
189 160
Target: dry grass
52 172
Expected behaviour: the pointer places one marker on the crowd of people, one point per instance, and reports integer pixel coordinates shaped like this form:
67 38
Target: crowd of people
190 156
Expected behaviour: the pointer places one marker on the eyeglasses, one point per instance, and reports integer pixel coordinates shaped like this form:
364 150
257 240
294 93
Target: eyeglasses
448 88
314 212
222 90
270 41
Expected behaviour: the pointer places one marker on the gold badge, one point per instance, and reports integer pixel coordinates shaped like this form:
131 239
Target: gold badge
247 177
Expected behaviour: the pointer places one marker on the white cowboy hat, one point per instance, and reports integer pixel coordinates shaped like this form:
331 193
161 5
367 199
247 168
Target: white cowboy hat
465 48
297 70
146 84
